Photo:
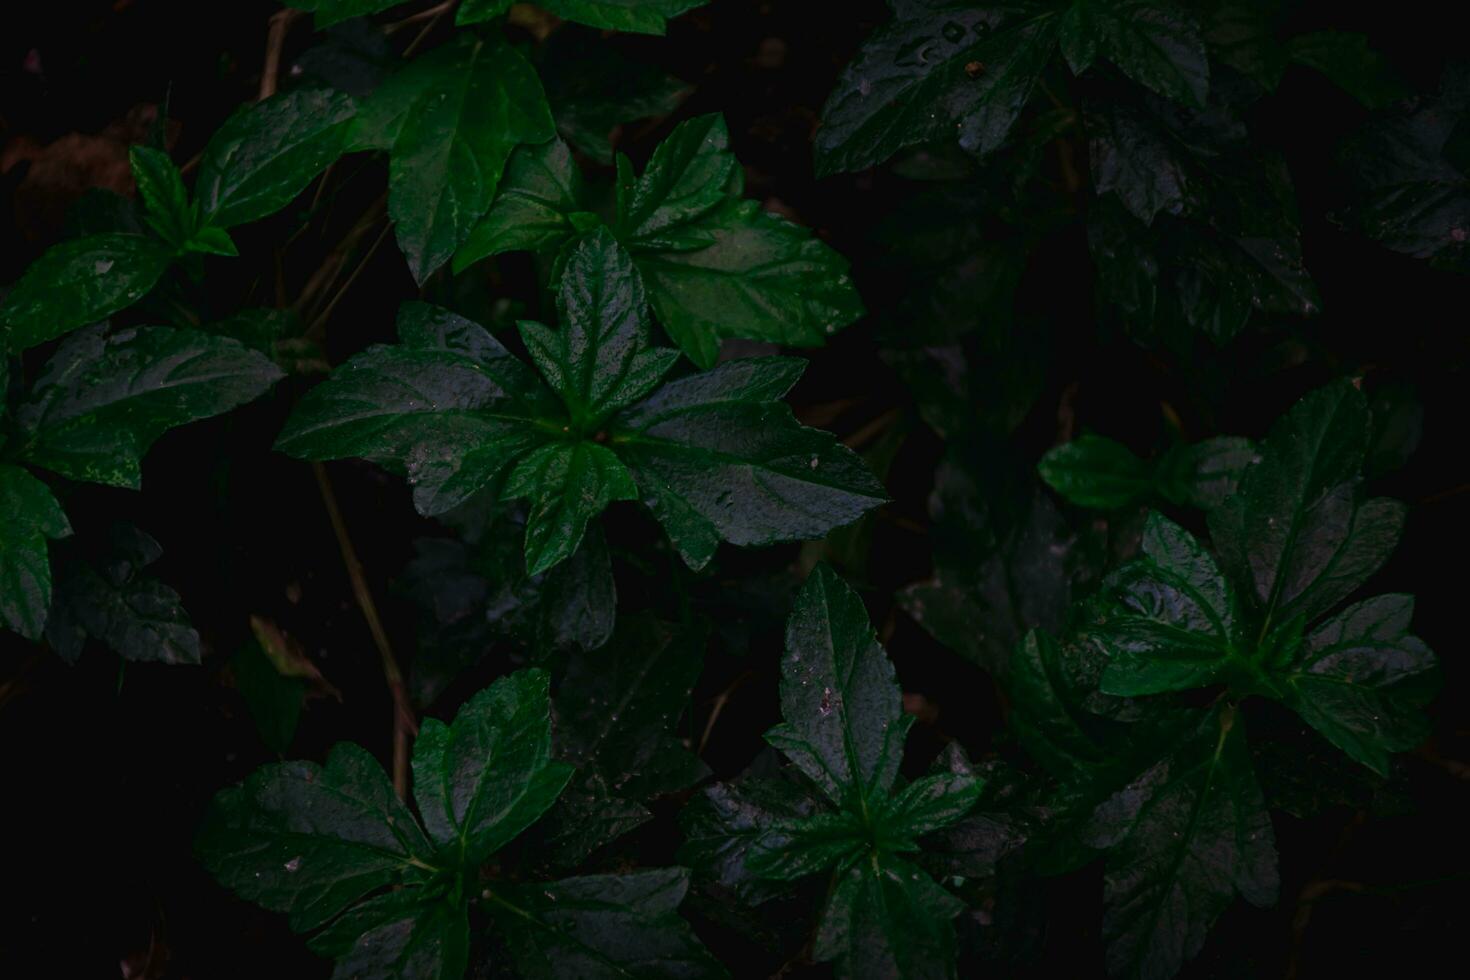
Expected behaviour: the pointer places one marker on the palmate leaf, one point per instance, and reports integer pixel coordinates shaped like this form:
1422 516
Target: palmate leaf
843 729
714 265
714 456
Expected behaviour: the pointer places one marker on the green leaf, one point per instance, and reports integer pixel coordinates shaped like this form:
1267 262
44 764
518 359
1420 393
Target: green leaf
80 282
936 69
489 775
456 121
162 190
567 484
717 266
1411 186
602 926
1094 471
1363 680
844 723
325 13
274 699
886 918
104 398
717 456
1155 43
714 455
308 840
617 708
601 359
267 152
714 265
450 407
641 16
32 515
1182 839
398 936
1173 624
540 193
1295 537
1346 59
761 277
1204 474
728 822
137 617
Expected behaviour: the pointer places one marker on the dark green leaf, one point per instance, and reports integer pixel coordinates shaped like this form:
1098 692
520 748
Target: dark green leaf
1347 60
602 926
728 821
31 516
540 193
1295 537
567 484
601 359
489 775
1183 838
78 283
266 153
328 12
455 122
1412 189
1094 471
274 700
1363 680
936 69
1154 42
308 840
617 708
1204 474
844 723
449 406
161 189
717 455
398 936
104 398
718 266
137 617
642 16
1174 623
886 918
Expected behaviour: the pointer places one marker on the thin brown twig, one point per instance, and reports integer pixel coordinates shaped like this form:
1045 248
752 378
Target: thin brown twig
275 40
428 13
403 719
438 12
720 701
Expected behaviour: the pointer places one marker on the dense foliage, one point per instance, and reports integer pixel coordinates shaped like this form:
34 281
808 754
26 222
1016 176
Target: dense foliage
944 658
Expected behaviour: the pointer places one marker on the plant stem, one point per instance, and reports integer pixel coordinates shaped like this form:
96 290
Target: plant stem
403 720
275 40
